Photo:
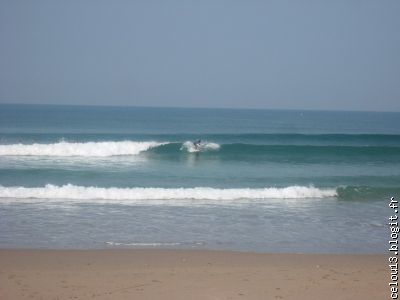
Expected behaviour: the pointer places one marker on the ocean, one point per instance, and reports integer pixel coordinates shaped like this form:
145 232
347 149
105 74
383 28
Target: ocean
81 177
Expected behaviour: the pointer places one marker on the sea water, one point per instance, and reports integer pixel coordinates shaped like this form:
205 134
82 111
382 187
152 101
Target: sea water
263 180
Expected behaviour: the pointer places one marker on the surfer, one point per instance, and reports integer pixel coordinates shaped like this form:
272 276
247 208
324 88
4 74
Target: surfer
196 144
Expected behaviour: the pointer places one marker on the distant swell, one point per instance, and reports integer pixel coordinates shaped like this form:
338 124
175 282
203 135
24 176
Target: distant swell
88 149
131 195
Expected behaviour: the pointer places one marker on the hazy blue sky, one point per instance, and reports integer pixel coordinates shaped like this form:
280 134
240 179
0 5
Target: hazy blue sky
337 54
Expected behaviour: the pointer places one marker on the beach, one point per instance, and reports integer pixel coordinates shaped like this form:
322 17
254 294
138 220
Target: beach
189 274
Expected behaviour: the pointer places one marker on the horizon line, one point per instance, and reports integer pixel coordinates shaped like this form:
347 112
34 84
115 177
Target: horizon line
197 107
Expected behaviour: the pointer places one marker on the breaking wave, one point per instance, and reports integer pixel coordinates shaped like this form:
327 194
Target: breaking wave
138 194
87 149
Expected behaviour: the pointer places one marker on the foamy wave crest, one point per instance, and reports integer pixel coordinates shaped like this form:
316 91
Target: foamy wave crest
141 195
88 149
203 146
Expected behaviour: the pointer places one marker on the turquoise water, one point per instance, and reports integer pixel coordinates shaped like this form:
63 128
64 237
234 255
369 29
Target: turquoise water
263 180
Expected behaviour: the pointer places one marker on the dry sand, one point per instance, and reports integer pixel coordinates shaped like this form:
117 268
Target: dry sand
189 274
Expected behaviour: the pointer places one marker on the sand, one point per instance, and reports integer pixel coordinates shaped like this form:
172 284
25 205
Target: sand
189 274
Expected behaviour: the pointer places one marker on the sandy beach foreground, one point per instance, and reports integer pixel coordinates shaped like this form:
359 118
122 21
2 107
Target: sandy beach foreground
189 274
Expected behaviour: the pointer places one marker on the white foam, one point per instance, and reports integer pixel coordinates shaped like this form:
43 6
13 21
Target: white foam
69 192
88 149
204 146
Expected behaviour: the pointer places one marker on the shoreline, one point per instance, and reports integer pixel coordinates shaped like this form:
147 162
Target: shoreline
189 274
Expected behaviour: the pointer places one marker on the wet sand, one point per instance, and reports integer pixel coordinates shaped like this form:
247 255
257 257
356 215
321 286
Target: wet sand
189 274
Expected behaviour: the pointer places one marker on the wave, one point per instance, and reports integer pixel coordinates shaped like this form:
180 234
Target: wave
141 195
209 151
228 150
133 195
87 149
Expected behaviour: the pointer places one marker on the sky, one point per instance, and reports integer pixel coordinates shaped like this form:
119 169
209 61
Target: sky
300 54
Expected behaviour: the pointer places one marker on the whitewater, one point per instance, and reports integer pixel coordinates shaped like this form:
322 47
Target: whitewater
87 149
129 195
